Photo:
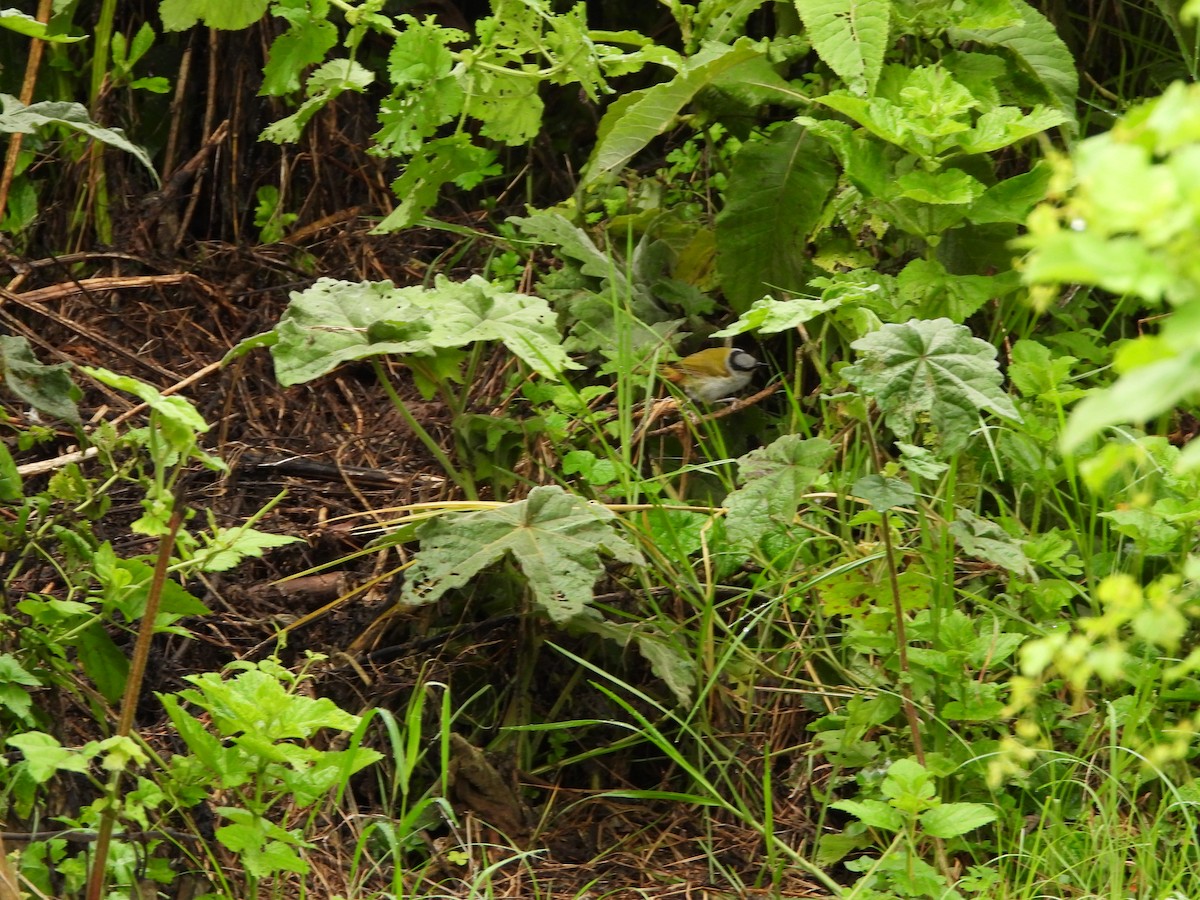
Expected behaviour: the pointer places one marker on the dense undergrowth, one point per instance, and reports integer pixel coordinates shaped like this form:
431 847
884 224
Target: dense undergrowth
912 618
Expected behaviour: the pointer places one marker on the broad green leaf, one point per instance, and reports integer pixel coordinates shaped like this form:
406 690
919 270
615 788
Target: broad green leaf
637 118
44 755
334 322
1012 199
926 289
1137 396
231 15
952 819
507 103
944 187
769 316
884 493
773 479
850 36
931 367
988 541
16 117
176 411
873 813
554 538
254 702
777 191
466 312
23 23
329 324
1039 50
48 389
1007 125
310 35
10 479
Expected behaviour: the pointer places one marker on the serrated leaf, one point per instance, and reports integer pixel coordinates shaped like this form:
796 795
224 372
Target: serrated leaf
773 478
308 38
632 122
935 368
554 538
1039 49
873 813
48 389
770 316
16 117
452 159
229 546
952 819
334 322
777 191
231 15
988 541
324 84
850 36
883 493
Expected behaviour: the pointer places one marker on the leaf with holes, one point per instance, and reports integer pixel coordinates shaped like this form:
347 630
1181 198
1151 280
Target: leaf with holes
556 540
931 368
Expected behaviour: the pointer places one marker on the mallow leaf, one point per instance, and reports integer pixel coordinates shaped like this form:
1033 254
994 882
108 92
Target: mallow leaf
553 537
773 478
931 368
334 322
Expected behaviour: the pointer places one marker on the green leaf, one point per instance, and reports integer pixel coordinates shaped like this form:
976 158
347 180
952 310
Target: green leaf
254 703
466 312
931 367
850 36
324 84
179 416
873 813
308 38
335 322
777 191
1012 199
327 325
884 493
1039 50
770 316
988 541
668 661
229 546
48 389
638 117
554 538
774 478
21 119
439 162
10 478
952 819
1137 396
23 23
231 15
44 755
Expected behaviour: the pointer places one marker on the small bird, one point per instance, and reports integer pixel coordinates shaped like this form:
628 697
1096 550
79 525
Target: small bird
712 374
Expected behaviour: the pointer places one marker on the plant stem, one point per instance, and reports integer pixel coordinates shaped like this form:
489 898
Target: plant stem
462 479
133 689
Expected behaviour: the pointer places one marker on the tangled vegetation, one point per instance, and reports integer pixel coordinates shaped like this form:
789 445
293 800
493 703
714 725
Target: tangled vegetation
911 617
